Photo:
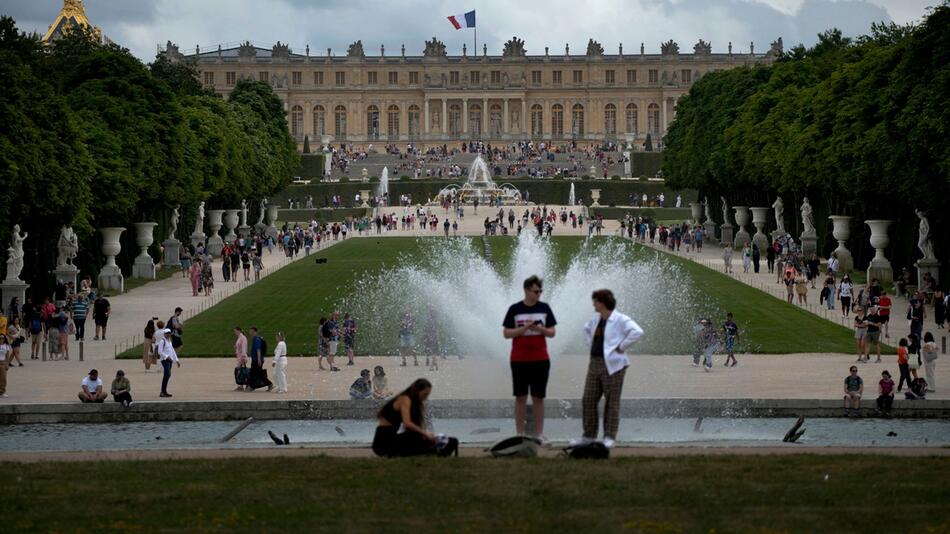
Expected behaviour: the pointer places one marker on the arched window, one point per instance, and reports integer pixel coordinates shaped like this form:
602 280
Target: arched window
632 118
494 120
610 119
455 119
392 115
372 122
653 120
577 120
475 120
319 121
296 122
339 122
537 120
557 120
415 126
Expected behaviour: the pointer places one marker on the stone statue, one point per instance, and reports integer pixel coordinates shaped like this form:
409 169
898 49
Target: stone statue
243 212
779 208
434 49
68 247
16 252
924 239
807 219
173 224
515 119
708 211
355 50
594 49
668 48
436 119
513 48
200 219
725 211
260 218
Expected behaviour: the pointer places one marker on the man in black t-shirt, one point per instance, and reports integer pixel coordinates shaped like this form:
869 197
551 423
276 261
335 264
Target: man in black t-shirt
101 310
873 335
528 324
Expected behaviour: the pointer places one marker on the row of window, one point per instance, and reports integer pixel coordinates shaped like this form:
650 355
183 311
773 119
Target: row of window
495 76
455 124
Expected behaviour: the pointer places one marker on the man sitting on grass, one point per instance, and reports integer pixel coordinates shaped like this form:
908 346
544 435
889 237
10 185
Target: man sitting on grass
92 388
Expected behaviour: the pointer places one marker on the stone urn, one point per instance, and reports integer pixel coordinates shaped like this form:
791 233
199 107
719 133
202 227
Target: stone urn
880 266
215 243
759 218
144 266
595 197
110 276
272 211
841 230
696 210
230 222
742 236
593 171
364 196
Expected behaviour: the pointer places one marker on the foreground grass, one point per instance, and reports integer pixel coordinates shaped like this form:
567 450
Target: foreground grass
679 494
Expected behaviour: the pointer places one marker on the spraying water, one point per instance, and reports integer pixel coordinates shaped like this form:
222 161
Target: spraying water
383 189
452 286
571 198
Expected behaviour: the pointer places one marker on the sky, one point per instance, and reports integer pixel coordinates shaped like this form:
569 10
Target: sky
141 25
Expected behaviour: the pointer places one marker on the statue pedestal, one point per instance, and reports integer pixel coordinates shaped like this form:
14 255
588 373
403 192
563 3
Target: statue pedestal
923 266
66 274
172 248
111 279
143 268
627 169
726 231
709 231
882 271
809 245
215 245
244 231
197 239
13 288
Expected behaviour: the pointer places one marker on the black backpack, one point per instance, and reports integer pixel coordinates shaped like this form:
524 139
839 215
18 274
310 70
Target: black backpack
595 450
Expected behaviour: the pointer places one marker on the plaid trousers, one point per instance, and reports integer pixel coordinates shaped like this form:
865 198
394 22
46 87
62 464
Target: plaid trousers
599 384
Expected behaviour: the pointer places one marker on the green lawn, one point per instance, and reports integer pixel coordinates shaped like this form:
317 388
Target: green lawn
294 299
798 493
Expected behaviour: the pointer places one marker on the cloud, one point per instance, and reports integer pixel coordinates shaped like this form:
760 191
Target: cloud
141 25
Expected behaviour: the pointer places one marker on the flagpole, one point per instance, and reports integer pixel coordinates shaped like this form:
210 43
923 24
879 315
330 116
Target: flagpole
475 51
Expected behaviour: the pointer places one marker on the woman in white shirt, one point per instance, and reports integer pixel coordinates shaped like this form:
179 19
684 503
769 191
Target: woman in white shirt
280 363
844 293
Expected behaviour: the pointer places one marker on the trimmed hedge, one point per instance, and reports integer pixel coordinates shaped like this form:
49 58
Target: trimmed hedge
645 163
322 215
311 166
658 214
542 191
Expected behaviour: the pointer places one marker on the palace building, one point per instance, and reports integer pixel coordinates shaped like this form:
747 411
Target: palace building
436 98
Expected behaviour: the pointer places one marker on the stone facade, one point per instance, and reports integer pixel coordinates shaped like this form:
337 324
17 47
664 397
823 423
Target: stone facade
437 98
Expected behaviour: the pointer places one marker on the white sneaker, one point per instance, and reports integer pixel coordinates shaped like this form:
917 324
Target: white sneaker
577 442
694 364
707 368
609 442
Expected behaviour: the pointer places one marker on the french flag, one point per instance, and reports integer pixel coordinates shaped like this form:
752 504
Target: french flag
463 21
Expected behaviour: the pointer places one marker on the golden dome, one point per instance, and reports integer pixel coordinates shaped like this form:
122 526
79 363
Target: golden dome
73 14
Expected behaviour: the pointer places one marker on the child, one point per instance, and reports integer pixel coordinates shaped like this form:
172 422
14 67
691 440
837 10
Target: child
362 388
885 397
902 364
380 390
731 335
853 389
917 390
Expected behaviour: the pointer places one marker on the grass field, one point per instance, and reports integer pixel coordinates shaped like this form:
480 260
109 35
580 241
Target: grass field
293 299
797 493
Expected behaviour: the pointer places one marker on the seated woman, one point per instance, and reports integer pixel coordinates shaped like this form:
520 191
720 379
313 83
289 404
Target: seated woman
918 390
406 409
380 383
362 388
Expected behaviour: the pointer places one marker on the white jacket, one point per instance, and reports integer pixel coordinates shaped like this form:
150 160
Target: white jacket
619 333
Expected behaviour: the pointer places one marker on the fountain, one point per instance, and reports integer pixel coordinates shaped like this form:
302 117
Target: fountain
480 186
571 198
468 296
382 191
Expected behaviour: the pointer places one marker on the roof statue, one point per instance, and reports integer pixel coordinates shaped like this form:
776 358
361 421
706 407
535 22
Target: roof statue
247 50
777 49
434 49
72 15
702 48
670 48
281 51
594 49
171 51
356 50
514 48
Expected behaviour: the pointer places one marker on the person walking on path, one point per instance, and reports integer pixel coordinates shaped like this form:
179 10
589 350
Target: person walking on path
873 335
80 309
903 367
746 258
928 353
280 363
407 338
147 349
609 334
101 310
349 336
884 304
727 257
5 350
258 376
860 333
168 358
730 334
844 293
175 325
528 323
240 353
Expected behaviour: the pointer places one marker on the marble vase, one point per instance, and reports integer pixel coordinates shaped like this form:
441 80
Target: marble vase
759 218
110 276
272 211
880 267
696 210
841 230
742 236
230 223
215 243
144 266
595 198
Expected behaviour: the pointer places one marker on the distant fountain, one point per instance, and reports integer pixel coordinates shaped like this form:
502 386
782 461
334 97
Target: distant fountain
570 198
481 186
467 297
383 189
